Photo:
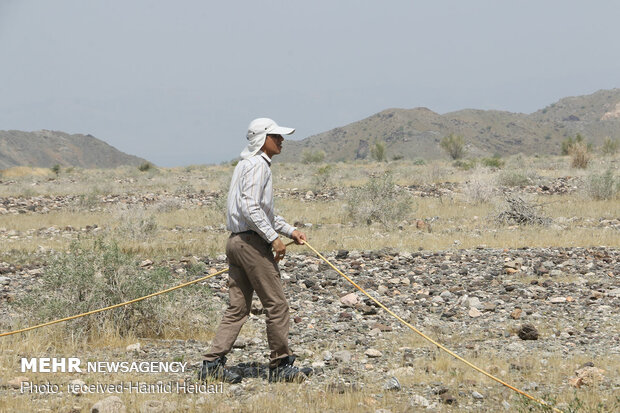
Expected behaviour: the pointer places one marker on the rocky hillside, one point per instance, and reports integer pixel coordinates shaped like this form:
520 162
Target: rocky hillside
46 148
415 133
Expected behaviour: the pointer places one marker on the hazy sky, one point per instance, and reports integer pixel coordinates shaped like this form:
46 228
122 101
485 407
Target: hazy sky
177 82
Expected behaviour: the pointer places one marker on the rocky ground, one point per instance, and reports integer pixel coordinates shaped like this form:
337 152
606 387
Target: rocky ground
165 199
545 320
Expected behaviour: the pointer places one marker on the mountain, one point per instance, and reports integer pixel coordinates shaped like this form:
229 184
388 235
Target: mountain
46 148
415 133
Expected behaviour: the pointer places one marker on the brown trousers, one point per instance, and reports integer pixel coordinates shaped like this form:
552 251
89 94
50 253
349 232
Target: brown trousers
252 268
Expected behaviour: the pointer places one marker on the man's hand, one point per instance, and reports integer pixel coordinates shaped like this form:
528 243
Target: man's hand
298 237
279 249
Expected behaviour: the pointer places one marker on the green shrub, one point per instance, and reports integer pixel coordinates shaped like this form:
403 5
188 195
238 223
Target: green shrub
379 200
569 143
322 178
603 186
465 165
378 152
610 146
419 161
309 156
515 178
454 146
145 166
83 280
494 162
56 169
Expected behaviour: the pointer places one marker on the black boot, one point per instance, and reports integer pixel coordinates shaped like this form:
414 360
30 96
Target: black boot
285 371
215 369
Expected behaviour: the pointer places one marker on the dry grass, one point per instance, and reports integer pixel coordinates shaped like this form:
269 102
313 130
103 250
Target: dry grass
24 171
459 221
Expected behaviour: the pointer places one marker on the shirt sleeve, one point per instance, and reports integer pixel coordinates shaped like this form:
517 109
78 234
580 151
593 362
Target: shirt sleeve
252 186
282 227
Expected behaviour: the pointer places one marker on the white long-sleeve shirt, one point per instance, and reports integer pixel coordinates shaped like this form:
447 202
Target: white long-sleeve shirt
250 200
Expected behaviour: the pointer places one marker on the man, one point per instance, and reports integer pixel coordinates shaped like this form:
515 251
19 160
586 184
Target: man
253 267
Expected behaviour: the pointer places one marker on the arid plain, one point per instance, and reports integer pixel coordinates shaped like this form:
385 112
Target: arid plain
469 254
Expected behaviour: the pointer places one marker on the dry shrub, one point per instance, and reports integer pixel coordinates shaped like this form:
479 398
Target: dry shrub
580 156
479 189
604 186
135 223
380 200
516 178
521 212
83 280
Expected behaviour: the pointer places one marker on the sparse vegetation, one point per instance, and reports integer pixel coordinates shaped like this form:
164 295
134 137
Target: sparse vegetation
478 190
136 224
145 166
603 186
569 143
379 200
377 152
465 165
610 146
454 146
56 169
175 218
88 278
310 156
522 212
322 177
493 162
515 178
580 156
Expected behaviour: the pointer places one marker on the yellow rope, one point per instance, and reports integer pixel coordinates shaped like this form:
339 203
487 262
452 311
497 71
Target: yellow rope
424 336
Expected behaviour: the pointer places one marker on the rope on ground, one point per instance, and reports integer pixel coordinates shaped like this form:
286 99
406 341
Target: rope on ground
427 338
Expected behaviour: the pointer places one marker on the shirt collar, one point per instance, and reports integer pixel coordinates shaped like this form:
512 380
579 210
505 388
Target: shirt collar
265 157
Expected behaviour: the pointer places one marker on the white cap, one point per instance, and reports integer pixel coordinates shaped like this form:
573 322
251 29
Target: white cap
258 131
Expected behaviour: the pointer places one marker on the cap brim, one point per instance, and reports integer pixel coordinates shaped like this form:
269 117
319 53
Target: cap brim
281 130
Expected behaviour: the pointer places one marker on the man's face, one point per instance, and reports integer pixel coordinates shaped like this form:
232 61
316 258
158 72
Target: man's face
272 145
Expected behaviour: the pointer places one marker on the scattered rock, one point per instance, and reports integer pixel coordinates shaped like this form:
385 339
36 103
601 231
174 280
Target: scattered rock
342 254
349 300
76 384
392 384
448 398
417 400
16 382
157 406
474 312
528 332
342 356
373 353
587 376
112 404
